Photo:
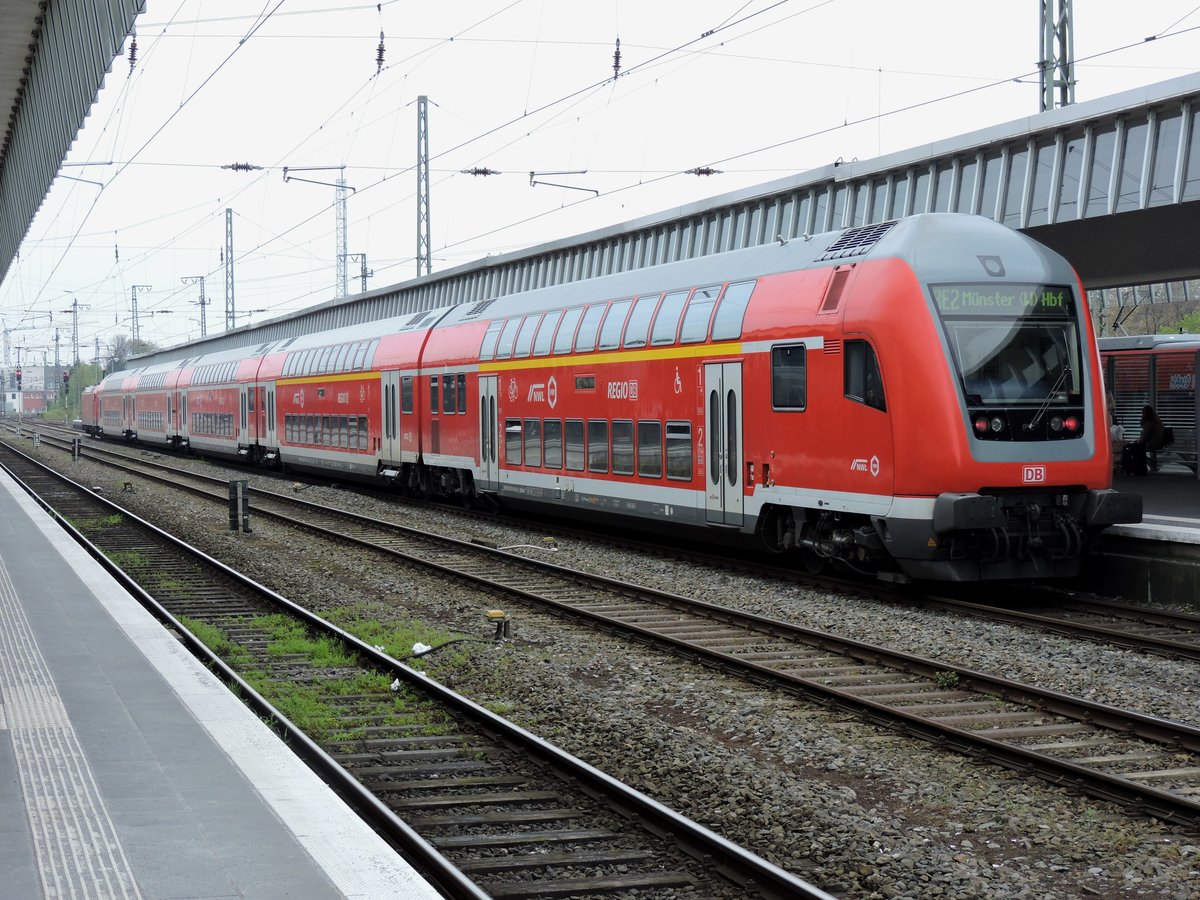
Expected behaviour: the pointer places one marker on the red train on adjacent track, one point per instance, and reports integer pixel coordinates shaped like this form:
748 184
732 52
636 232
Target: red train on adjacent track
919 399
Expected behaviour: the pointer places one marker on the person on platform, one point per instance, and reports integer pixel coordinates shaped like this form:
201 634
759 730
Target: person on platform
1152 439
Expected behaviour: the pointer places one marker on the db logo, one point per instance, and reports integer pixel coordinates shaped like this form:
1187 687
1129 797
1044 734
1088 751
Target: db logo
1033 474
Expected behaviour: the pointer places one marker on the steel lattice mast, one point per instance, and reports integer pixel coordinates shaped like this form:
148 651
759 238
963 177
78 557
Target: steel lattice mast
230 316
1056 60
424 257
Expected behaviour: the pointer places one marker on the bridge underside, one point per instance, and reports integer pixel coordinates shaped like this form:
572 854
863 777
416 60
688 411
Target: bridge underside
1136 247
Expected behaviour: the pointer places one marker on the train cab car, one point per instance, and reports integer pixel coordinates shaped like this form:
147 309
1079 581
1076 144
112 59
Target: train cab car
918 398
89 410
116 405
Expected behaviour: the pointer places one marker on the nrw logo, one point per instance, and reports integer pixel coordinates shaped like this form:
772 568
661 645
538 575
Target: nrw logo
1033 474
858 465
537 393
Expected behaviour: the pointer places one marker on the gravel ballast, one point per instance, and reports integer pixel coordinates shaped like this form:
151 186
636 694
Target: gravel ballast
854 808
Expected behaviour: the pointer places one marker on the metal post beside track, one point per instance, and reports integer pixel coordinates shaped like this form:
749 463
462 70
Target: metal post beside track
239 505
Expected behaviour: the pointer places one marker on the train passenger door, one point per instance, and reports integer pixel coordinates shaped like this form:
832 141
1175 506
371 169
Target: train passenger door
489 435
390 428
723 443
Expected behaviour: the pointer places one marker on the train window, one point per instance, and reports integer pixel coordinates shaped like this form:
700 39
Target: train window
789 377
487 349
614 324
360 355
508 336
597 445
699 311
533 442
462 392
545 333
565 336
328 426
586 339
351 432
727 324
323 365
573 441
512 442
552 439
525 335
433 394
363 442
622 447
637 329
406 394
449 400
343 357
343 432
863 383
649 449
666 323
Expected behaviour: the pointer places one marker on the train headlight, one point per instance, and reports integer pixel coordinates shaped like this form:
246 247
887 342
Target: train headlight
1056 423
997 424
1071 423
981 424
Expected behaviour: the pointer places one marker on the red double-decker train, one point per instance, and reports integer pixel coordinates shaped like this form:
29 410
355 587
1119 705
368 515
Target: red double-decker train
919 399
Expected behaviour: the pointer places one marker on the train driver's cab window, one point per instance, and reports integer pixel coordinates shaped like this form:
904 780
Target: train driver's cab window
565 337
863 383
588 327
614 324
789 377
727 323
504 348
637 329
666 323
699 311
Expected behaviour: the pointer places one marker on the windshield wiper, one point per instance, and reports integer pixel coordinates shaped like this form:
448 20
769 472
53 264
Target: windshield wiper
1037 418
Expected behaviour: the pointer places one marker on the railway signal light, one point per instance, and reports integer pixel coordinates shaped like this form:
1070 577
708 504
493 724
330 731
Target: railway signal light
66 379
18 378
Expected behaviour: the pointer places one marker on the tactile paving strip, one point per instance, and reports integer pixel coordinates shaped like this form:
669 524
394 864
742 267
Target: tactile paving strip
77 850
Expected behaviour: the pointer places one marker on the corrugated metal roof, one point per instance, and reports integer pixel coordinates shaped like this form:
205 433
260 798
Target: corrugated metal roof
53 57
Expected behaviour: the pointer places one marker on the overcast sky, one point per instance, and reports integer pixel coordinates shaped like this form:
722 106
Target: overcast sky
757 89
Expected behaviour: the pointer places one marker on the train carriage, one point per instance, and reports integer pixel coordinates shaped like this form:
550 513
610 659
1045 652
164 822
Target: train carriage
1158 370
919 398
213 403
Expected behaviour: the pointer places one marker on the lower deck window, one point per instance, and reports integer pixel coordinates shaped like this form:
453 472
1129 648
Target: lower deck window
679 451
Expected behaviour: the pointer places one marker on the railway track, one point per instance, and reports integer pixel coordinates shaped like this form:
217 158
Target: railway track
1143 762
485 808
1163 632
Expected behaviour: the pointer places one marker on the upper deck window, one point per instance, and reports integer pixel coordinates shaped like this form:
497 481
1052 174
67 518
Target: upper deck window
666 323
637 329
586 340
487 350
565 337
614 324
504 347
545 333
699 311
525 335
727 323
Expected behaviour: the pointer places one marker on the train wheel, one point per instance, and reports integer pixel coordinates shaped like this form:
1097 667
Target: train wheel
813 564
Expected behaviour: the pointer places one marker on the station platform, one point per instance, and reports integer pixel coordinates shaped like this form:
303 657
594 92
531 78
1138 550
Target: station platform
127 770
1170 504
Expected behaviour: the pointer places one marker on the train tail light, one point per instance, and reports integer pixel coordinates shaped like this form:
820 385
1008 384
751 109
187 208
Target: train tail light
1071 423
981 424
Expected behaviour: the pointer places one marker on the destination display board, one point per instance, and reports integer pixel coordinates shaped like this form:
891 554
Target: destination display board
1004 300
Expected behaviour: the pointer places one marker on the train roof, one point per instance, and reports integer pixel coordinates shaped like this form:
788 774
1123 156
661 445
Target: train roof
1150 342
934 244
